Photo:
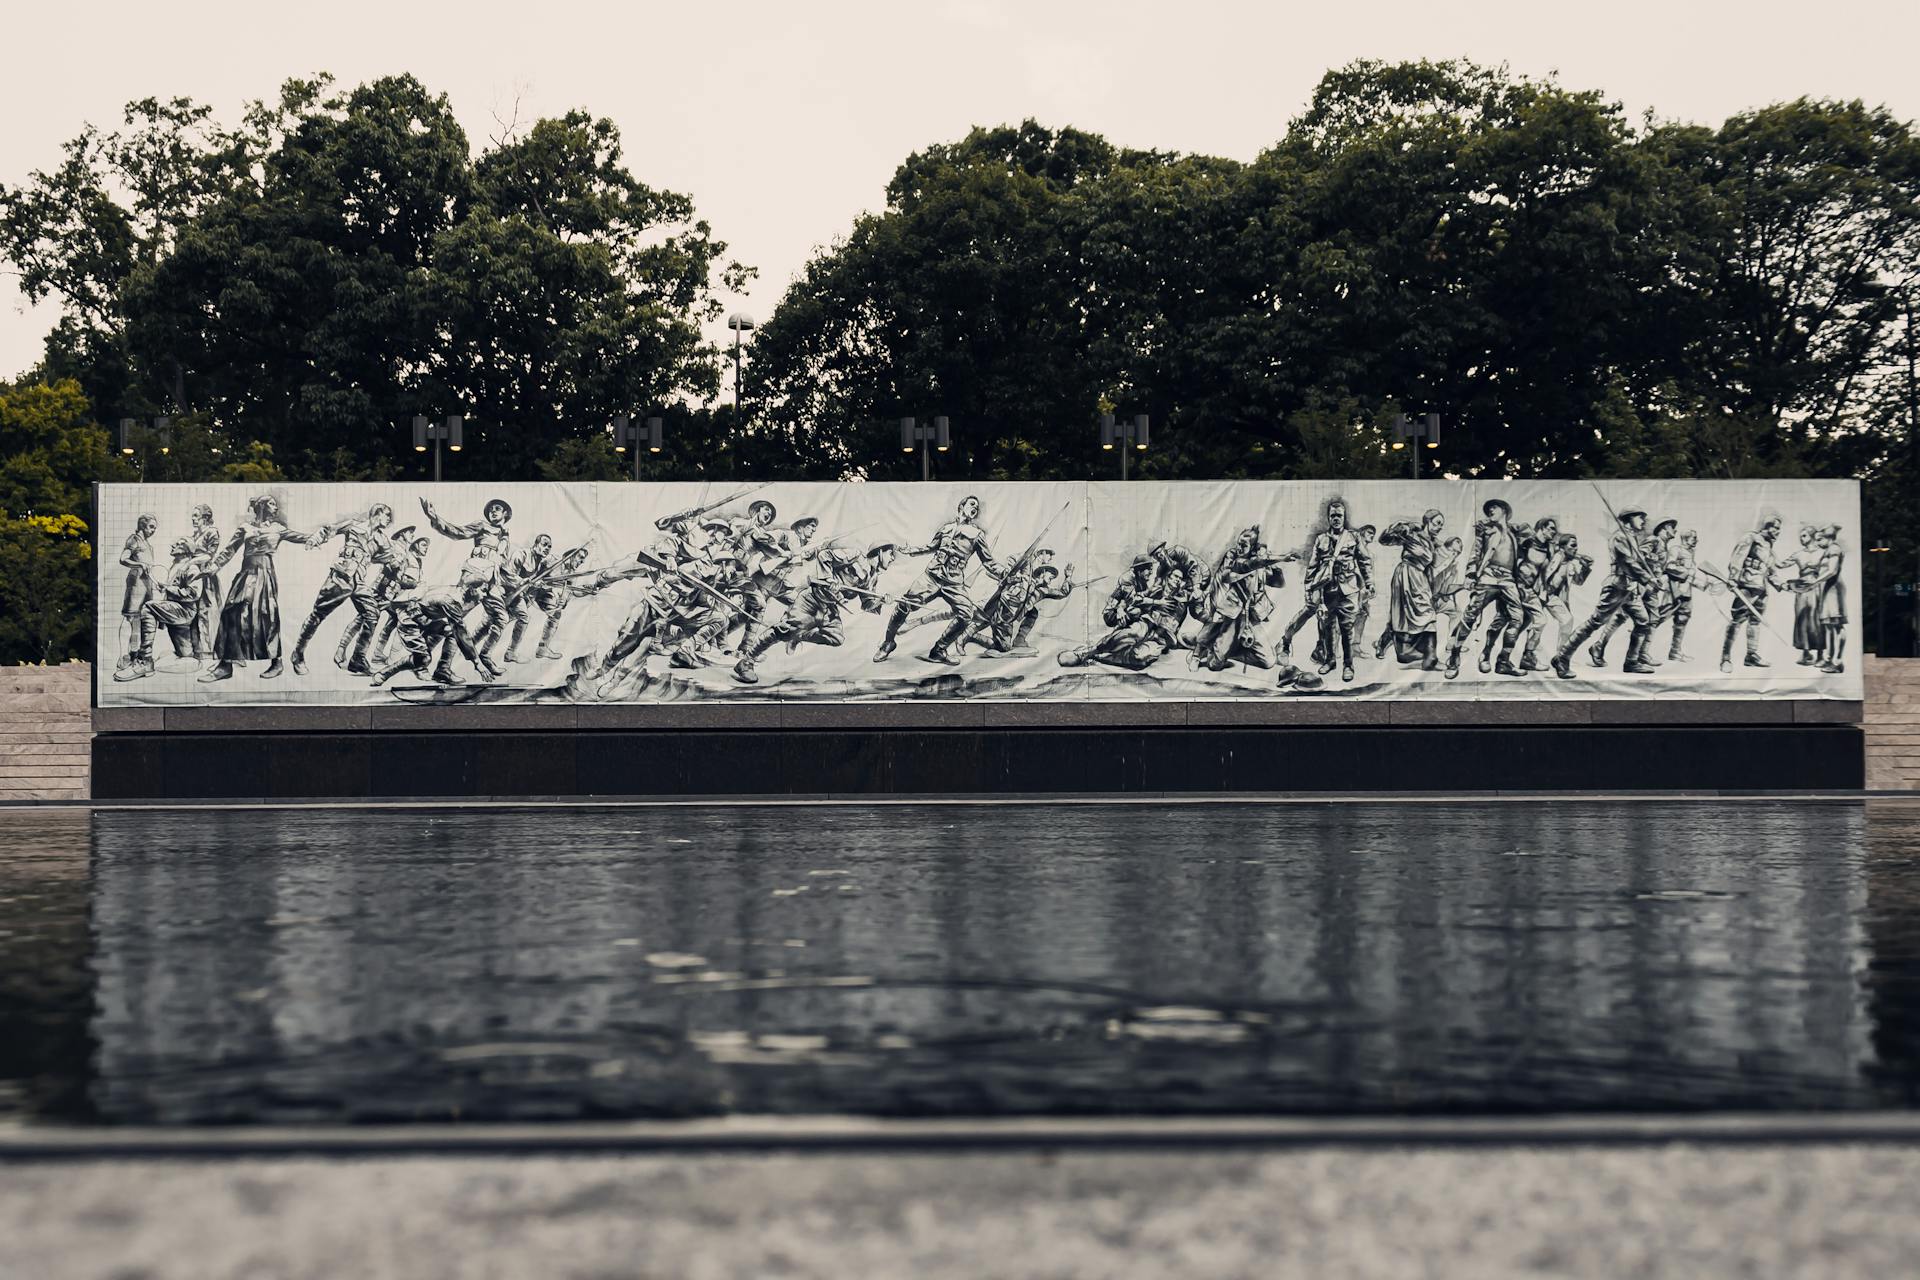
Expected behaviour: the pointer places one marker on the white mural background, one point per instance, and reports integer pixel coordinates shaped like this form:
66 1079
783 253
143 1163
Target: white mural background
1095 529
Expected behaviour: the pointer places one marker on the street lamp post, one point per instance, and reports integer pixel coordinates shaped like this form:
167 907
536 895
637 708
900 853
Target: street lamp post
1118 435
452 433
740 322
1406 430
627 436
1880 548
130 432
914 436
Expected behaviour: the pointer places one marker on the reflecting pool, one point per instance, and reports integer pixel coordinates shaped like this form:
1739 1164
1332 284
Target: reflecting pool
308 965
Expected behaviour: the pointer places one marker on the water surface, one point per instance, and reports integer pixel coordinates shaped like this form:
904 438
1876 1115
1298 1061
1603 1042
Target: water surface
306 965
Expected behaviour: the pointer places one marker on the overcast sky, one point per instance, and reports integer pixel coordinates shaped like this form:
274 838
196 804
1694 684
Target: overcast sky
784 121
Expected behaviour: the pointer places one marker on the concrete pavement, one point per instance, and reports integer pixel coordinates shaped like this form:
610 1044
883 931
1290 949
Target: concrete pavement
1681 1210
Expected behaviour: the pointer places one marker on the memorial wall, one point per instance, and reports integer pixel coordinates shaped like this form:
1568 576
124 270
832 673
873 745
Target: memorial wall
412 593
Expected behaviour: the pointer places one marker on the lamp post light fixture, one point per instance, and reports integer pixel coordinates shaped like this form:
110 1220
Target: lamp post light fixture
1880 548
914 436
451 433
133 437
741 323
627 436
1118 435
1407 430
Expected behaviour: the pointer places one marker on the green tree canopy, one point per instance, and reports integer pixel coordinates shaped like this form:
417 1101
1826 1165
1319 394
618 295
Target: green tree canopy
1573 292
341 261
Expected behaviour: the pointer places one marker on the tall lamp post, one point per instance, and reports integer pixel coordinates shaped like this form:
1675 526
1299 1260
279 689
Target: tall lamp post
1118 435
915 436
1407 430
629 436
741 323
1880 548
132 438
452 433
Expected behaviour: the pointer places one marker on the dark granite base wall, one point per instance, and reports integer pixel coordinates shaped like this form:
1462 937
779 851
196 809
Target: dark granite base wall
666 762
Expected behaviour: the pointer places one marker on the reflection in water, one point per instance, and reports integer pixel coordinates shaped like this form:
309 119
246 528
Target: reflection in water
394 964
45 990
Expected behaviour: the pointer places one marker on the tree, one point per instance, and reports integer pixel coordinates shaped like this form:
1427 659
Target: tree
46 578
962 298
569 293
115 206
1812 233
340 261
51 450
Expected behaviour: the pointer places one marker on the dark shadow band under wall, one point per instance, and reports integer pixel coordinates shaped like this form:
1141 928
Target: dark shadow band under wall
393 764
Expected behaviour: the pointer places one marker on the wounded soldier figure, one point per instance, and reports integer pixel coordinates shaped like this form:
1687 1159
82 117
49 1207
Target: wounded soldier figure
1145 611
176 607
436 621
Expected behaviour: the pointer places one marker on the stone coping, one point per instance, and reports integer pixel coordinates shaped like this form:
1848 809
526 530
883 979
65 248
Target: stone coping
853 1132
970 715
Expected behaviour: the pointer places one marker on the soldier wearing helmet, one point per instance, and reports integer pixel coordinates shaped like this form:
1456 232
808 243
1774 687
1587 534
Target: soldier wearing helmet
952 549
363 539
483 564
1624 592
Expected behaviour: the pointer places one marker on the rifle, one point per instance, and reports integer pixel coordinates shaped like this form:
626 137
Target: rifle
1744 599
1019 565
684 518
1253 566
655 562
1659 579
779 564
548 574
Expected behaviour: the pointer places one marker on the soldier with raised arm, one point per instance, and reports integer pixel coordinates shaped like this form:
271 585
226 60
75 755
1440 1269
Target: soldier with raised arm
483 564
953 547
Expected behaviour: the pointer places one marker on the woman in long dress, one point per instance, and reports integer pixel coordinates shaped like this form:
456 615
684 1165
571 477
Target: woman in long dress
250 617
1832 606
1807 635
1412 611
136 557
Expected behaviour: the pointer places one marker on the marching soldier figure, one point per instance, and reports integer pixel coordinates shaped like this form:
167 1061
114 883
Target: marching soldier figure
1539 553
1496 551
365 540
1751 570
1683 579
814 616
1340 576
766 552
1626 589
1567 570
1653 553
395 568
